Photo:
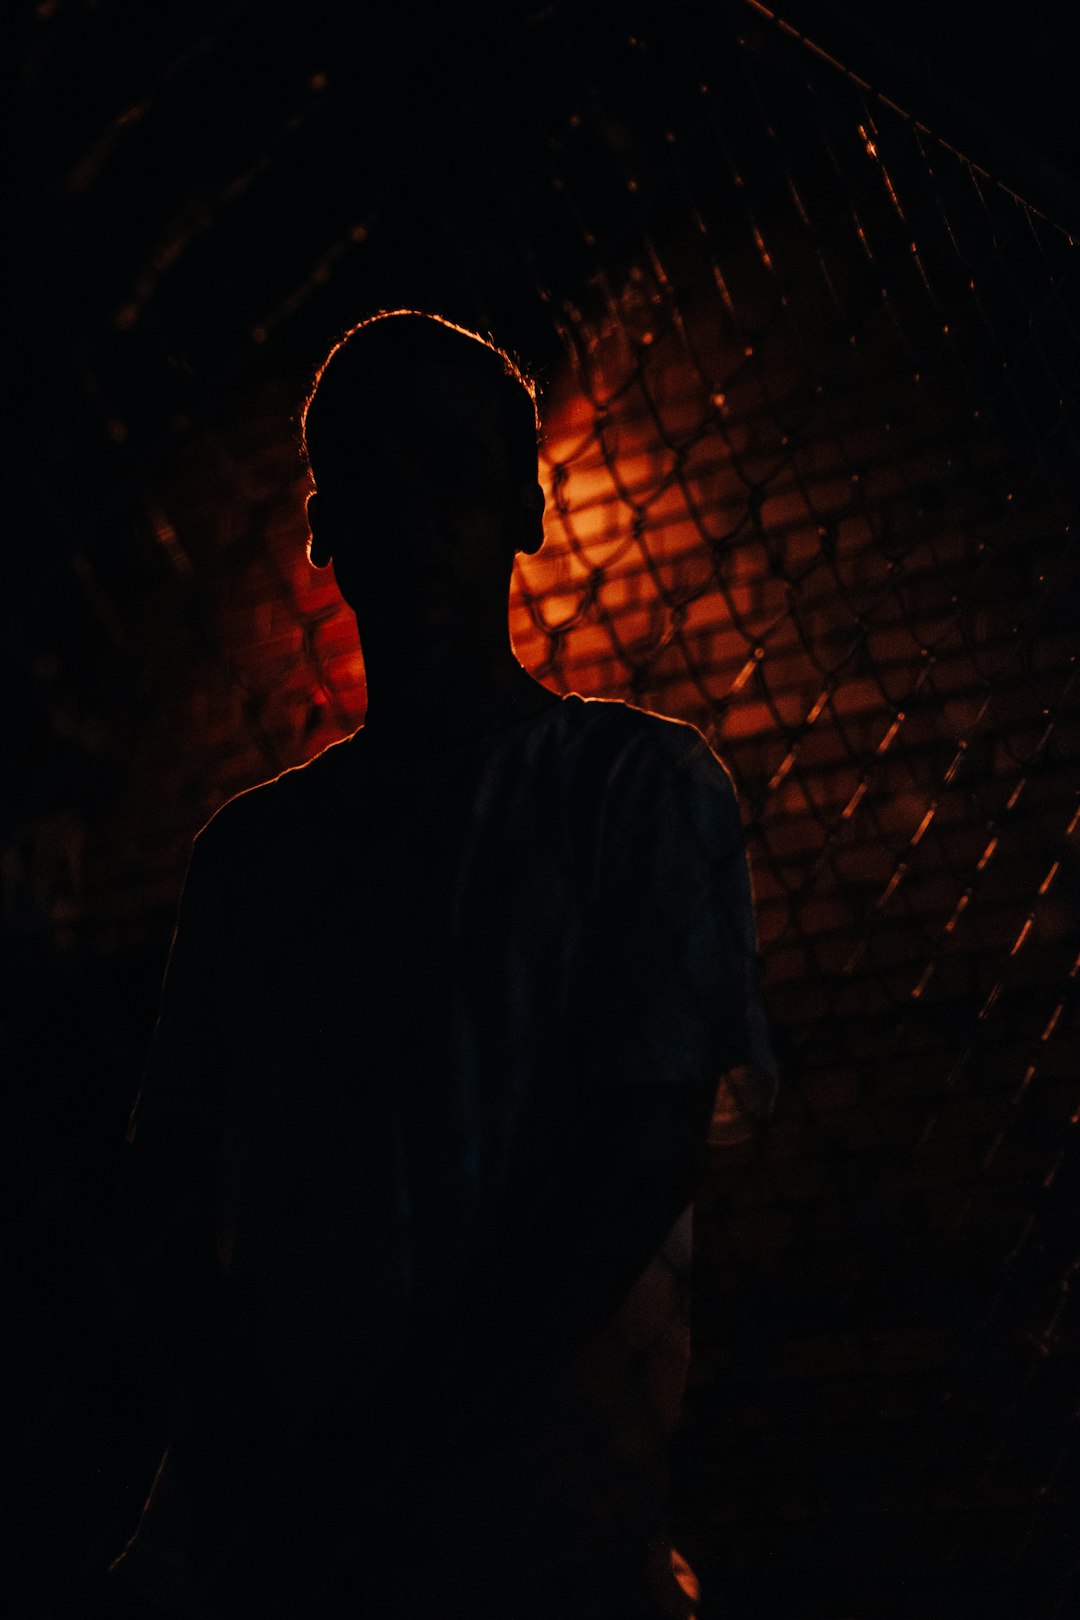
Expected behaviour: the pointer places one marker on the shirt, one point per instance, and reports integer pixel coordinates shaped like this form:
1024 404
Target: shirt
403 997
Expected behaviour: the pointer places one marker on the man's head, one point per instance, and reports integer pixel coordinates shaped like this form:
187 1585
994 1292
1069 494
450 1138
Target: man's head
421 440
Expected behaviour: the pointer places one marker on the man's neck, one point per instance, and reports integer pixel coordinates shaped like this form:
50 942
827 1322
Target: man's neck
428 706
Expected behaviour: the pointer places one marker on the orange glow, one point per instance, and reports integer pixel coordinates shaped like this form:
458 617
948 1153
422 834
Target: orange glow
924 981
987 854
890 736
961 907
685 1576
892 886
1052 1022
854 802
1049 878
924 824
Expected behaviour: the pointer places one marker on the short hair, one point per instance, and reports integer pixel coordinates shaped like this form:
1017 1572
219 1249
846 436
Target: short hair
371 352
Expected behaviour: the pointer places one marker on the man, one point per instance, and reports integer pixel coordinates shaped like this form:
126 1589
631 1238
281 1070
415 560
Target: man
446 1016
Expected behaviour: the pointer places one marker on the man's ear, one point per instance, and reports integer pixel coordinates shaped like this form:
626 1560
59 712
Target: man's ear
319 553
530 535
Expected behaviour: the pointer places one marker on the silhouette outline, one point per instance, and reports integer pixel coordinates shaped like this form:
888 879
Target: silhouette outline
448 1012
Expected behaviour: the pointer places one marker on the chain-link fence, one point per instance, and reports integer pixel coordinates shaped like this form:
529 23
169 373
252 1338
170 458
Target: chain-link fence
808 385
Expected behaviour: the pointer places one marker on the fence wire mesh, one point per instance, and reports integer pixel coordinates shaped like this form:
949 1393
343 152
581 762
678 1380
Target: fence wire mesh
809 396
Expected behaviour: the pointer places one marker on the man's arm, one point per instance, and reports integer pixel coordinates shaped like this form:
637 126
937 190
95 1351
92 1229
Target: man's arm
166 1214
669 1035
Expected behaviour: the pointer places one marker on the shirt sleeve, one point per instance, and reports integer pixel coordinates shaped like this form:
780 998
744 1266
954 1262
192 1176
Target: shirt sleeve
673 993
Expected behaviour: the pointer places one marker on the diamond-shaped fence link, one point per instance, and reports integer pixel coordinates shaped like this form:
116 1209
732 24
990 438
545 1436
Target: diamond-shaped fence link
808 386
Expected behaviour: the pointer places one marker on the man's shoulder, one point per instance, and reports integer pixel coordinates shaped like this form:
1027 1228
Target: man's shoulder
628 723
644 742
623 747
294 798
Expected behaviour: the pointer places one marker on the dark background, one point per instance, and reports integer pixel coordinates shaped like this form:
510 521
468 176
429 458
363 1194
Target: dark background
151 323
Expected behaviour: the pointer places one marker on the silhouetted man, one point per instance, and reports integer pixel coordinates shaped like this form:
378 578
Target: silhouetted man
444 1023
